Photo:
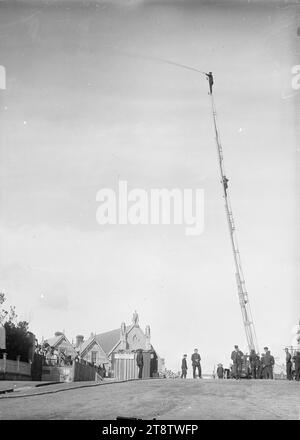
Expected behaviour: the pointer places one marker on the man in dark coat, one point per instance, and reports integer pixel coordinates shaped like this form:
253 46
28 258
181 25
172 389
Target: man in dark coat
288 360
252 360
296 359
262 366
140 362
184 367
258 367
237 359
196 363
220 371
269 363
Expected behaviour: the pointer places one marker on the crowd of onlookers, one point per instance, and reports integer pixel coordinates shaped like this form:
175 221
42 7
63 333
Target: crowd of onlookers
257 366
254 366
292 361
53 357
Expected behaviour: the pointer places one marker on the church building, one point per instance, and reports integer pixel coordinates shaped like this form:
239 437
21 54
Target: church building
100 348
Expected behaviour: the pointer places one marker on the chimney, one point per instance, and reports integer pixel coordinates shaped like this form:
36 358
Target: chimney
79 340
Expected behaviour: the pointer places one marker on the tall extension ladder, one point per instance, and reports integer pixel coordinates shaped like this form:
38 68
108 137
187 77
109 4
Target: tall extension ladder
242 292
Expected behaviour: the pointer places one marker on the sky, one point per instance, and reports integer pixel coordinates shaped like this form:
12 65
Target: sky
86 105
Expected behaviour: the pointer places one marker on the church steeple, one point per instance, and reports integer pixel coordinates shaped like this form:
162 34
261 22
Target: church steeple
135 318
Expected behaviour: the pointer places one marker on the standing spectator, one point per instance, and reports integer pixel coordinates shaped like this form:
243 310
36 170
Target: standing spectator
237 359
272 365
258 367
140 362
196 363
184 367
48 355
220 371
296 359
269 363
288 360
253 364
262 366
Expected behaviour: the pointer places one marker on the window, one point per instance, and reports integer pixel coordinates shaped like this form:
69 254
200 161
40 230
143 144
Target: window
94 357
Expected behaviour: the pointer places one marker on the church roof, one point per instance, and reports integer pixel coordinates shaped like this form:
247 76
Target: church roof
109 340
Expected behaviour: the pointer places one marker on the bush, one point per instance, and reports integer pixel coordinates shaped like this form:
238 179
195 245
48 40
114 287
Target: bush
19 340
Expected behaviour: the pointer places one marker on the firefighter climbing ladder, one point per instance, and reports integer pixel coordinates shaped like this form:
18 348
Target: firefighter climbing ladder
242 292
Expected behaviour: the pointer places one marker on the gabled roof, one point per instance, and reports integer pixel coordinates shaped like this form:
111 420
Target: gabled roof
55 340
88 342
109 340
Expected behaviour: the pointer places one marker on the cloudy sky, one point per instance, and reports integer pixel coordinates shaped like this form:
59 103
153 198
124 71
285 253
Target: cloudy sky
85 106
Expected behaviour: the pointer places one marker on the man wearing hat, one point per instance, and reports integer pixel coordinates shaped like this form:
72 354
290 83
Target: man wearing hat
220 371
288 360
296 359
237 359
196 363
184 367
140 362
258 367
269 363
253 364
262 366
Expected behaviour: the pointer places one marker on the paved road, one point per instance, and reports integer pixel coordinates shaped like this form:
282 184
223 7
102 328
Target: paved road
162 399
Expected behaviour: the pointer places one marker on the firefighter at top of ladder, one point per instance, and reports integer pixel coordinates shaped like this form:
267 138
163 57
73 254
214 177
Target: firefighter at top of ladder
210 80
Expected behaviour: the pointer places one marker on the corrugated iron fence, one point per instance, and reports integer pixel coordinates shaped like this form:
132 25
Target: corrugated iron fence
125 368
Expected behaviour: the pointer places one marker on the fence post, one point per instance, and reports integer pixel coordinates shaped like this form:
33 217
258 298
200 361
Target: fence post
18 363
4 364
73 370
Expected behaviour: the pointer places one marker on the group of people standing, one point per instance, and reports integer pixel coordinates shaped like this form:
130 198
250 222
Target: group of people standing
261 367
289 364
52 356
256 366
196 365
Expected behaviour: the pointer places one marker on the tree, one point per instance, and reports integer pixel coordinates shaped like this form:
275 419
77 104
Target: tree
19 340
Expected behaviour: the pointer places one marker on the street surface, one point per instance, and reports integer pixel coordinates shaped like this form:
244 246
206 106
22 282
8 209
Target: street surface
157 398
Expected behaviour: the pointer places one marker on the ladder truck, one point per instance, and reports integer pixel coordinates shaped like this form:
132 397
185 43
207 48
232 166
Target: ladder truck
240 281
